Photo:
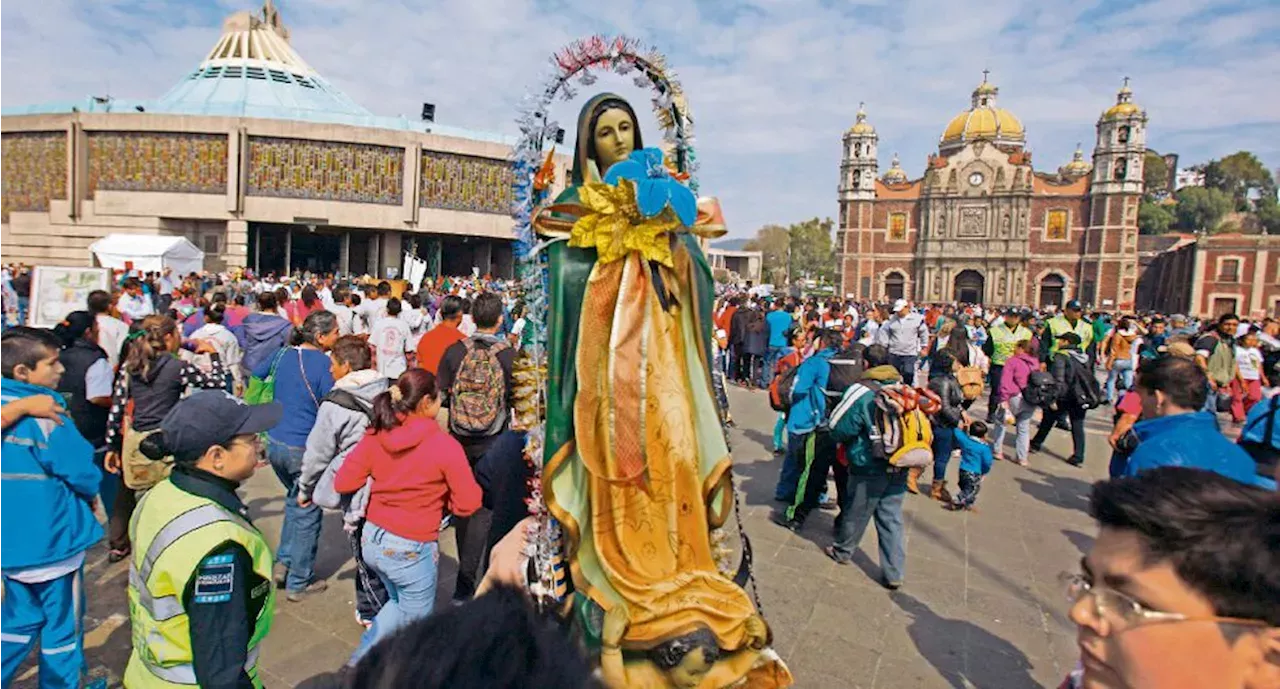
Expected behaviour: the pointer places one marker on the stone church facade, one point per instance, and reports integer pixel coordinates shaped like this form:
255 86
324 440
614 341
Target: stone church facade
983 226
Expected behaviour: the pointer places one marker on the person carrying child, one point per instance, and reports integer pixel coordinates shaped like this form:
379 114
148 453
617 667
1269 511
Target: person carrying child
975 462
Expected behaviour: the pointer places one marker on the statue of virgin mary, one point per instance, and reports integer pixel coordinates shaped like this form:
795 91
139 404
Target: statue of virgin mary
636 467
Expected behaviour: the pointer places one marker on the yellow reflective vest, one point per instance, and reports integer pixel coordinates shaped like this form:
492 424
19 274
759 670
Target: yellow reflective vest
1058 326
1004 341
172 532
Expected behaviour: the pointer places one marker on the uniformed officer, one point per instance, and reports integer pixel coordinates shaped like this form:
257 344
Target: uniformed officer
200 593
1069 321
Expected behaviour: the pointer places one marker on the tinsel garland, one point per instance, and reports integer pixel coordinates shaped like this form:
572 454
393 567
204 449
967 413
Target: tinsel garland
577 61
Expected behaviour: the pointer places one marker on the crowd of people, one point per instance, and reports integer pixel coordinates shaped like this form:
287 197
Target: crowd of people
878 394
393 407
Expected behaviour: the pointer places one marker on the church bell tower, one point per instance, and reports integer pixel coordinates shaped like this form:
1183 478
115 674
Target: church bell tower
858 171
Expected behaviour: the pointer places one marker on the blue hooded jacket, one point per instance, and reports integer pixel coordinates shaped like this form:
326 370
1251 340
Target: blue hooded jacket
1190 440
48 482
264 335
809 402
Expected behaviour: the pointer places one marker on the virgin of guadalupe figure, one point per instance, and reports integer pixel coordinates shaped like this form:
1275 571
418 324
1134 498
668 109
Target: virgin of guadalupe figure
636 468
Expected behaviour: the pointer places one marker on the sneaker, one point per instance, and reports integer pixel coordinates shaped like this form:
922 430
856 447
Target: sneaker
317 586
829 505
1075 462
1036 449
279 572
892 585
1022 462
793 525
777 451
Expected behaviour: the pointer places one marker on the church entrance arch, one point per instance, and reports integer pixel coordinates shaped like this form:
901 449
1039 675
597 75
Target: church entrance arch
1052 290
895 286
969 286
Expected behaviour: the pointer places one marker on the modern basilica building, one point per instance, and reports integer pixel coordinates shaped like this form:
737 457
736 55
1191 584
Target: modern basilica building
982 225
260 162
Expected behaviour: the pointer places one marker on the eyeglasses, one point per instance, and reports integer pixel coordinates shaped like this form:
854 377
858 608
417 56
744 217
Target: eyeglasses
1122 612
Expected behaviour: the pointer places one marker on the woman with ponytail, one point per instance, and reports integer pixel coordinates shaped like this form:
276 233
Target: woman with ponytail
151 381
418 471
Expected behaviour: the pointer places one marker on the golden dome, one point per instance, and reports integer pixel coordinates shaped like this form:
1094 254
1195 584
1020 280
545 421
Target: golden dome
1124 107
1078 167
895 174
984 120
861 126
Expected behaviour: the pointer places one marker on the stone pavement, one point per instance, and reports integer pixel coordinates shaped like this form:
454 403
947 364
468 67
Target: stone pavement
980 608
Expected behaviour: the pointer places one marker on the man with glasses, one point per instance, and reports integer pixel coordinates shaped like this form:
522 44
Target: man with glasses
1181 589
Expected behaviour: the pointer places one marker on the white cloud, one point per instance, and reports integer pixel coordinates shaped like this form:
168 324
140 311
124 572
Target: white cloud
772 84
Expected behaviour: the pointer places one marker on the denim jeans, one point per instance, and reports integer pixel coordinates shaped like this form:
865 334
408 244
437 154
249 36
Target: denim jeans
792 467
944 442
300 532
1121 369
881 495
408 569
906 365
771 357
1022 414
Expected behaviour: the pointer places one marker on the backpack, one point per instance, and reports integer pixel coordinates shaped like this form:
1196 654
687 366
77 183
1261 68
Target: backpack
1041 390
903 436
970 380
781 389
347 400
478 396
846 368
1082 386
1258 437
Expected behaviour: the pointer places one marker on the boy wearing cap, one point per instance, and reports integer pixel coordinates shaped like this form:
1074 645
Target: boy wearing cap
1067 348
48 479
200 594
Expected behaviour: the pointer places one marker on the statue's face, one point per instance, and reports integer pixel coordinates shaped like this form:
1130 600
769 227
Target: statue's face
614 136
689 673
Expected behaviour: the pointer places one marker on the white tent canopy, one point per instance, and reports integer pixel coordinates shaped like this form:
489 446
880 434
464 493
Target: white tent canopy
148 253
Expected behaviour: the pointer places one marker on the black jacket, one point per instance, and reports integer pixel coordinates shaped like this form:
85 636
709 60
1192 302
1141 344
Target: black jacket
952 398
223 618
503 475
90 419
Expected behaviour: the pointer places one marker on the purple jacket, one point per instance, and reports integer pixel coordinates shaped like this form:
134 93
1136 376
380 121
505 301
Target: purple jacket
1013 380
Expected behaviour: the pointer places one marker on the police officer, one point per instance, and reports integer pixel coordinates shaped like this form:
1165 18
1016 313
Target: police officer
200 593
1071 320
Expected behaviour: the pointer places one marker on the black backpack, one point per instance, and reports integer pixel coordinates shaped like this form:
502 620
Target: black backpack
1041 390
846 368
1082 386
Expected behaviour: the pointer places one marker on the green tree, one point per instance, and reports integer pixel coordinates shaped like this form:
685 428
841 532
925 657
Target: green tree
1154 218
1237 174
812 253
1155 173
1269 214
774 243
1202 208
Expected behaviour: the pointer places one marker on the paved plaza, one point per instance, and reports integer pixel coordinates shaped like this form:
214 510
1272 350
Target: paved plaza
980 608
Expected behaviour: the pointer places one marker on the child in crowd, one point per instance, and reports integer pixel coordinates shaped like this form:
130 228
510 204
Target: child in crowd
975 461
50 483
791 357
341 421
1246 389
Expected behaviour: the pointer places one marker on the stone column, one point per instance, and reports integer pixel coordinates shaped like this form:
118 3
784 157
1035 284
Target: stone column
288 250
375 252
235 249
390 253
344 254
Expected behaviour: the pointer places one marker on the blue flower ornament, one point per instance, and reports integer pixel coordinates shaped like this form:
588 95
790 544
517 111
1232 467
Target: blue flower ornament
655 187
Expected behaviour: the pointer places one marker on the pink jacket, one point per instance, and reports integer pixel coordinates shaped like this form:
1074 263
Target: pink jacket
1013 380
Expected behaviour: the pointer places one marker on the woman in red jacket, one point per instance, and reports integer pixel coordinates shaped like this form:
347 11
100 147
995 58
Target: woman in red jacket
417 470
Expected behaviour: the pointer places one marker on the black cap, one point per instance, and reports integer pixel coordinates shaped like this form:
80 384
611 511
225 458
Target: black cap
1014 311
1074 305
1070 338
213 417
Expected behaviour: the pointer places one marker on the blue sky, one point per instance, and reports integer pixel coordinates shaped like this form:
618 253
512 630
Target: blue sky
772 84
